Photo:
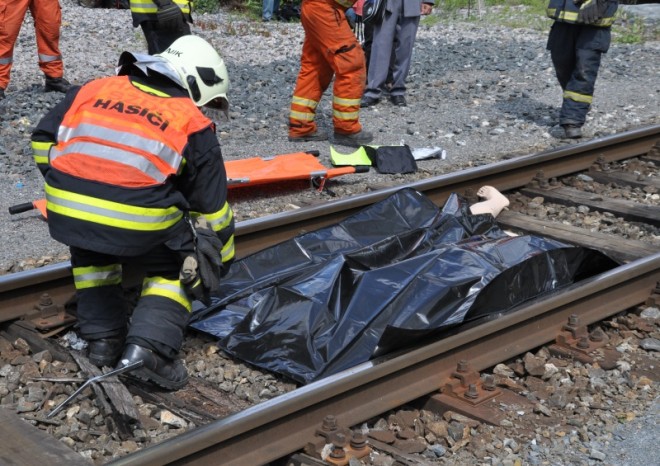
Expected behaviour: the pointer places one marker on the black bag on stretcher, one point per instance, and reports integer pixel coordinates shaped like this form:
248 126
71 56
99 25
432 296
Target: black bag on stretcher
391 159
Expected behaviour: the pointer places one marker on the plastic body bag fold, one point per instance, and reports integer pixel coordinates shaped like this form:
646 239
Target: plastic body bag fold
398 271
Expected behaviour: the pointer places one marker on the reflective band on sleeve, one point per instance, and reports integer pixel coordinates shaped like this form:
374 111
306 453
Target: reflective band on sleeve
228 249
150 7
114 214
93 276
220 219
40 151
170 289
574 96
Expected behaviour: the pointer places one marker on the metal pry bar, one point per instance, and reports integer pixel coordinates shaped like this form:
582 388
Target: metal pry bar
98 378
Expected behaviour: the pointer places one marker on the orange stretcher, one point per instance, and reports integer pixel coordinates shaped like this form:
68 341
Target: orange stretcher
255 171
285 167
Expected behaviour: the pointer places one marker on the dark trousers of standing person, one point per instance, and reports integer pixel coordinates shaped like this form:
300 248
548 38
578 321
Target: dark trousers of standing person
368 32
576 52
158 39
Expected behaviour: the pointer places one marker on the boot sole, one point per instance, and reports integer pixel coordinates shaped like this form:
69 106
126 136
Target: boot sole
146 375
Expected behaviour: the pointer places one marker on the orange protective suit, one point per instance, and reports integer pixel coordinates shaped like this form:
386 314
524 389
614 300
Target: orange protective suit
47 16
330 49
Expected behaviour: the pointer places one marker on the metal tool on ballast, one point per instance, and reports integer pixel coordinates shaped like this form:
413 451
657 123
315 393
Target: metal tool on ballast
98 378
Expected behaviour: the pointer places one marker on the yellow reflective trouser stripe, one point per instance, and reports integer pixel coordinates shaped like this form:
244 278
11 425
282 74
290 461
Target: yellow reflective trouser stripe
93 276
228 249
301 116
170 289
40 151
587 99
114 214
345 115
304 102
221 218
346 102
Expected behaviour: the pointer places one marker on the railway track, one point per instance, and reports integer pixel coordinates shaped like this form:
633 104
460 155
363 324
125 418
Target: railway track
292 422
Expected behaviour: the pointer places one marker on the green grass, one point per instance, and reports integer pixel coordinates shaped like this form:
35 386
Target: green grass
523 14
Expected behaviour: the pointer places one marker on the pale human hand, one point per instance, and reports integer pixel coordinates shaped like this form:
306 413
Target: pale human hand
426 9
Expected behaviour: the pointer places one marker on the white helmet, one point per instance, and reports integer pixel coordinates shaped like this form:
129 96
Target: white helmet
201 69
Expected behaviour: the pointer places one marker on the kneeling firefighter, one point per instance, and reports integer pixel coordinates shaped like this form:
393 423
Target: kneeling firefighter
134 178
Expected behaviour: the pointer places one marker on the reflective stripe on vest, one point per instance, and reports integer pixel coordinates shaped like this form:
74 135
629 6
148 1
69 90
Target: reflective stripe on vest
170 289
116 134
92 276
114 214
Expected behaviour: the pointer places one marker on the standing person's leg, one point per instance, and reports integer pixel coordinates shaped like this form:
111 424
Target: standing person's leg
267 10
47 16
313 79
562 44
403 57
381 54
11 18
591 43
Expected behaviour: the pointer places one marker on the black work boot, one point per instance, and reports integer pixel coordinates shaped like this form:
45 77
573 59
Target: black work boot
572 131
105 351
170 374
56 85
2 93
353 140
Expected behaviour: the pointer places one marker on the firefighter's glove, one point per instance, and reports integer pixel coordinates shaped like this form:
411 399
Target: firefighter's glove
590 11
208 250
170 17
191 280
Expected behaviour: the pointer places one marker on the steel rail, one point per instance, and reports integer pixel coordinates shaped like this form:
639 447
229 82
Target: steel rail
285 424
19 291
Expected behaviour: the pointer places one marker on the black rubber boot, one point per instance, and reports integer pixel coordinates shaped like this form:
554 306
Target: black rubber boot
56 85
170 374
572 132
105 351
354 140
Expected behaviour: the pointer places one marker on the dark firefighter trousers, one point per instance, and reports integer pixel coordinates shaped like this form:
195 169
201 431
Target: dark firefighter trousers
576 51
162 312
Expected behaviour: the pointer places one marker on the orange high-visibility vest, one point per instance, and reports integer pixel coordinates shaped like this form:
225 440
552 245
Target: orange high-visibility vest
117 134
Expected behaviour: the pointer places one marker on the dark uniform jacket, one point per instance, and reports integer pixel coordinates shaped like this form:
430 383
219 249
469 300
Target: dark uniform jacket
125 160
566 11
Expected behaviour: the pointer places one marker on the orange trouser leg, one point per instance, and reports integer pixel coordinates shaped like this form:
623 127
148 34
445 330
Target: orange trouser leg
330 48
47 21
313 79
12 13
